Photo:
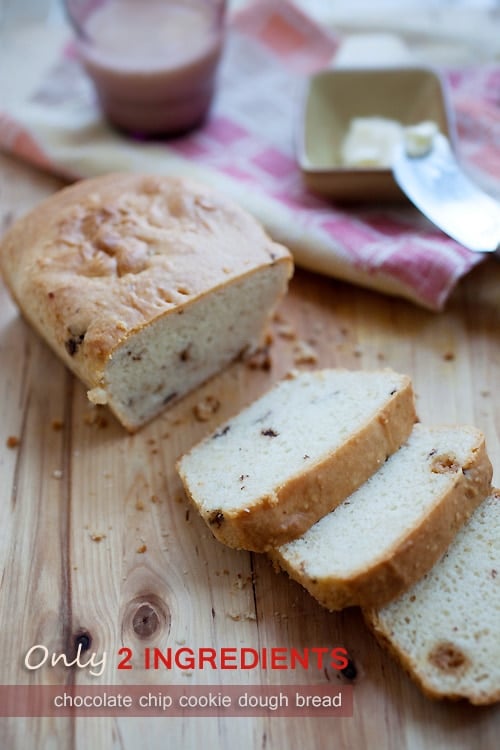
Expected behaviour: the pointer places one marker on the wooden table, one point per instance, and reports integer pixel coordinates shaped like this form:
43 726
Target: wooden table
99 544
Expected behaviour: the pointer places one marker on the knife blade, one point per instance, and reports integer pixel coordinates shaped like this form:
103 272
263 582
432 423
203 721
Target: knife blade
439 188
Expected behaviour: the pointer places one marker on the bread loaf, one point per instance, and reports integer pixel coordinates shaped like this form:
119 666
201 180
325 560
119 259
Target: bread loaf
273 470
391 531
144 286
444 630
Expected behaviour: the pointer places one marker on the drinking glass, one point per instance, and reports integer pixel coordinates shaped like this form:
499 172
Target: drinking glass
153 62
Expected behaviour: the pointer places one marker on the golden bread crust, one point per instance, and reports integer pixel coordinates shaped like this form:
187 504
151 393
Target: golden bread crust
103 258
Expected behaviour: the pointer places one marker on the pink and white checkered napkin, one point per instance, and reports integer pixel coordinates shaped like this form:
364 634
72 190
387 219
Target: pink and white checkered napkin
247 149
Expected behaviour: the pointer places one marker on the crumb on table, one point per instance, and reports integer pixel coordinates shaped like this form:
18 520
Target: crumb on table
96 418
304 354
286 331
241 616
97 537
206 408
260 359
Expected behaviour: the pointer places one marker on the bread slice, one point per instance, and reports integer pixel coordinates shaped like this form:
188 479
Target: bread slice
391 531
445 630
267 475
144 286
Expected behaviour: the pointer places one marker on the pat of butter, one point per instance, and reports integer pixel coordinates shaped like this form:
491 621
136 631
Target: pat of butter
419 138
370 142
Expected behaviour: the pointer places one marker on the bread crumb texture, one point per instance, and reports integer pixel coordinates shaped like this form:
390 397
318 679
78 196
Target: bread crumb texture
444 630
275 468
390 531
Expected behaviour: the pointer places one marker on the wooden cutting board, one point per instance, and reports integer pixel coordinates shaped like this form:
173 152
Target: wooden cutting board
99 546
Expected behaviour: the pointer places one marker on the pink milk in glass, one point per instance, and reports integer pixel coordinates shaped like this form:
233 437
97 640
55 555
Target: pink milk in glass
153 62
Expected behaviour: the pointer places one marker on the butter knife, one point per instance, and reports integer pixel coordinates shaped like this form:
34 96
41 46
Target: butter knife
439 188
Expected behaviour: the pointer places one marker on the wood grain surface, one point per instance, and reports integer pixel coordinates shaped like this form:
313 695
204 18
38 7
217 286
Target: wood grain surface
99 546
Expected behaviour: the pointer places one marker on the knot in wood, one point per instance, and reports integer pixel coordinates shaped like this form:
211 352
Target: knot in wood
147 617
145 621
82 640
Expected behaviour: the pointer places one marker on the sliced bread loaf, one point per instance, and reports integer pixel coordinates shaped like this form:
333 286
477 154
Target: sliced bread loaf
391 531
267 475
445 629
144 286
